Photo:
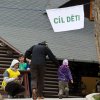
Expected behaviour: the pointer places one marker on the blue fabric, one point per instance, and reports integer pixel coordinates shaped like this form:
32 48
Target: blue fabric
6 74
64 73
28 66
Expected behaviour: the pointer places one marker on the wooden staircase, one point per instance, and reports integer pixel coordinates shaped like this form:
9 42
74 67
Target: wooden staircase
50 80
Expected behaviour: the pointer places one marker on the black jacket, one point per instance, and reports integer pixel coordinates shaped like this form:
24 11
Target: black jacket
39 53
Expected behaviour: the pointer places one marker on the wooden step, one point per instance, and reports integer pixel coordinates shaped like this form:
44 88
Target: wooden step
51 72
48 61
51 78
6 55
1 75
1 78
0 82
5 62
3 48
51 68
50 92
51 75
6 58
50 85
5 65
2 70
51 82
3 51
50 65
50 89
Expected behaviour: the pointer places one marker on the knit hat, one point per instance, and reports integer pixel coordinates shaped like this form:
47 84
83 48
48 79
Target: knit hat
15 61
65 62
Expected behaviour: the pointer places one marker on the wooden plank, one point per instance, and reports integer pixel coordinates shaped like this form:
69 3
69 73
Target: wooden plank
91 9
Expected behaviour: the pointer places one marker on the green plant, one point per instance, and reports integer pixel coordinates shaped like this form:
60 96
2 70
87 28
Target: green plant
96 97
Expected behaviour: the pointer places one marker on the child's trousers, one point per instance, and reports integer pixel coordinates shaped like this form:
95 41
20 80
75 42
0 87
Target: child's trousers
63 88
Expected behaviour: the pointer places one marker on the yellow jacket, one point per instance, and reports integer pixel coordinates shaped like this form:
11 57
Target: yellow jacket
12 74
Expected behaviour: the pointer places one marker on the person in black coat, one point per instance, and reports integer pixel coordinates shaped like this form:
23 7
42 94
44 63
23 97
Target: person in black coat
38 55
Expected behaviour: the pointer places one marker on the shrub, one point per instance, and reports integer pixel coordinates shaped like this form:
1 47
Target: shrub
96 97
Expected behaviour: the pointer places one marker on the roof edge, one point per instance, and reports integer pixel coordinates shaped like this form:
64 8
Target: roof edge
78 60
8 44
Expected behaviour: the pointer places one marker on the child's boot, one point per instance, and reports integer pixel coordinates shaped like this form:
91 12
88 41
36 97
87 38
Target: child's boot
60 94
66 92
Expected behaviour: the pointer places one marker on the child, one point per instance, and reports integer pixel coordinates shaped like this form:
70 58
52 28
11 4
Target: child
64 76
22 64
12 80
25 66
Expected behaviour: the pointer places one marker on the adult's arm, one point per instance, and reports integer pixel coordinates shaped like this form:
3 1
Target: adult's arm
6 77
52 56
28 52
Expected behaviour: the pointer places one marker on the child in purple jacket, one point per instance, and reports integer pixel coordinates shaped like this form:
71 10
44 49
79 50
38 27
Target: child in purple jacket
64 76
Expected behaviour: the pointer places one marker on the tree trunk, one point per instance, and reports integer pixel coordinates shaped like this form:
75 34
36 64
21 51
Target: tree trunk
97 26
97 29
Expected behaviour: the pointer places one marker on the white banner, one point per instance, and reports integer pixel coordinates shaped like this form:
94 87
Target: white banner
65 19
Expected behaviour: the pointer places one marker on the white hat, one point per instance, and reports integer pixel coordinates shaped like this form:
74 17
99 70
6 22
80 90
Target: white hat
15 61
65 62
